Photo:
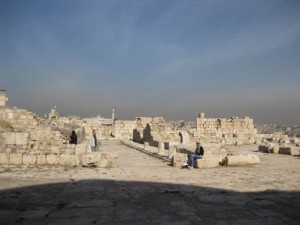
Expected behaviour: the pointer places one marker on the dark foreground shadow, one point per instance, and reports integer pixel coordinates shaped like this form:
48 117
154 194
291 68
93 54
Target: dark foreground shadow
124 202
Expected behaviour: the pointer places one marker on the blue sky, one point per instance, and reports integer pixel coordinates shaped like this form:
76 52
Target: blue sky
170 58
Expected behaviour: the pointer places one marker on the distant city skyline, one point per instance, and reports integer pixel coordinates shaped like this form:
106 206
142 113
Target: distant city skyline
171 58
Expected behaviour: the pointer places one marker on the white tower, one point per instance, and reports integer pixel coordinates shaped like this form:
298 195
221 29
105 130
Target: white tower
113 115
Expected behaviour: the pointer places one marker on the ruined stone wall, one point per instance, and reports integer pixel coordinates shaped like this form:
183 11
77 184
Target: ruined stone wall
153 131
124 129
43 146
230 131
84 127
103 130
19 118
26 139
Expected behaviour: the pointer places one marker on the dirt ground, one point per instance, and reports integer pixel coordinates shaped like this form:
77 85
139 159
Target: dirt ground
146 190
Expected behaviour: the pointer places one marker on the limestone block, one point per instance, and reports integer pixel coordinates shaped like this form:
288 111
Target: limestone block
295 140
207 162
90 159
275 148
111 158
29 159
208 153
161 148
70 151
22 138
55 149
3 159
43 148
52 159
80 149
9 137
97 159
178 160
289 150
146 145
41 159
241 160
16 159
295 151
69 160
172 151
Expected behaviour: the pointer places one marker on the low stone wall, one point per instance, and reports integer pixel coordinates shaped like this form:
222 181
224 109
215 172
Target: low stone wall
159 152
211 161
291 148
208 161
95 159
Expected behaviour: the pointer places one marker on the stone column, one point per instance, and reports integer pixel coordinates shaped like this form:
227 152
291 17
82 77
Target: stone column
146 145
161 147
172 151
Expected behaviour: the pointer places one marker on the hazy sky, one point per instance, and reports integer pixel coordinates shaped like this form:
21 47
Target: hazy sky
170 58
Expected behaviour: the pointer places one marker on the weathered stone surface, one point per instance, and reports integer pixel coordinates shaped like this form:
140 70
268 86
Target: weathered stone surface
172 151
69 160
161 148
80 149
55 149
178 160
275 148
70 151
52 159
16 159
207 162
112 159
295 151
22 138
9 138
29 159
241 160
289 150
4 158
210 161
102 160
41 159
146 145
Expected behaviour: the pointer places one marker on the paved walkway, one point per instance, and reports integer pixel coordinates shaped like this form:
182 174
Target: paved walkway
145 190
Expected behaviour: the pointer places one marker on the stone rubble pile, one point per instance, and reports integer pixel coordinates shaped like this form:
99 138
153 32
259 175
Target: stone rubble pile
279 143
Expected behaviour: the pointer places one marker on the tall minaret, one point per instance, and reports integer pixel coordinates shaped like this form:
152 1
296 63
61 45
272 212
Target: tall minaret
113 116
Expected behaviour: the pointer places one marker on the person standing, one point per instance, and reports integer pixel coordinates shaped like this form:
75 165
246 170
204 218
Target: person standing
93 141
73 138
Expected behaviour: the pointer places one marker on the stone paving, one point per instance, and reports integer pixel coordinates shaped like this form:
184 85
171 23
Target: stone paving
146 190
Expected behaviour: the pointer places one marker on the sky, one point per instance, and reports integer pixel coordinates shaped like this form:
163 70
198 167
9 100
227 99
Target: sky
156 58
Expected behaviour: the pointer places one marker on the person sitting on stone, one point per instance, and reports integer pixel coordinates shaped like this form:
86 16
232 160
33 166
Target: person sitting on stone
73 138
199 152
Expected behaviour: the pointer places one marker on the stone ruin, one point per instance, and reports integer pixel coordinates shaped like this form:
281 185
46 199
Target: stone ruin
26 138
228 131
278 143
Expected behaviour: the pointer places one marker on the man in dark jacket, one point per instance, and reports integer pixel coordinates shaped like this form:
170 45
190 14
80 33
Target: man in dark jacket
199 152
73 138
